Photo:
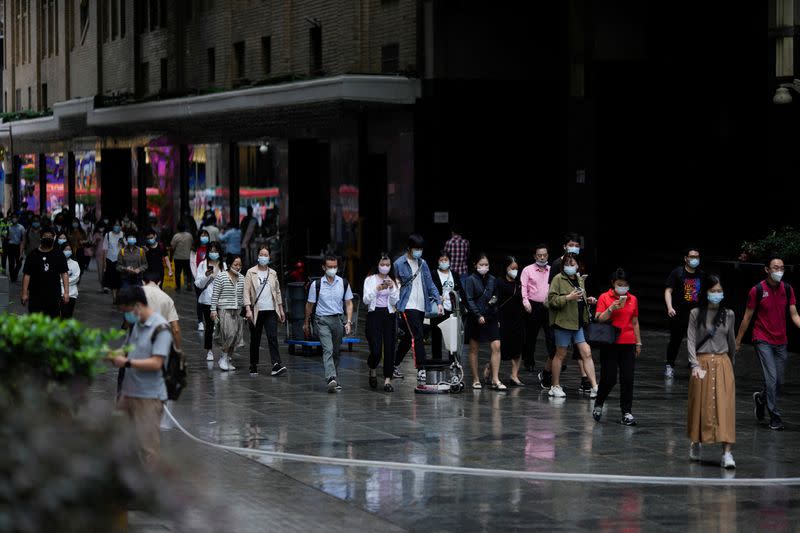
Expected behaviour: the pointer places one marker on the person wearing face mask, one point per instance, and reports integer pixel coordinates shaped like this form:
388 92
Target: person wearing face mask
381 294
227 301
682 292
156 255
113 242
621 308
447 282
329 299
196 256
418 295
712 387
74 272
142 389
77 240
569 313
511 313
480 295
207 271
180 247
770 305
457 250
263 303
33 237
45 281
132 261
13 247
534 285
99 254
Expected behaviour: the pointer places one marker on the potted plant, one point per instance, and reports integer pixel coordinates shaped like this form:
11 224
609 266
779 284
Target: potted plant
784 242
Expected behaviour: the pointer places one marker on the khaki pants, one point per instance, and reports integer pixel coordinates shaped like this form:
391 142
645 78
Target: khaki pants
145 413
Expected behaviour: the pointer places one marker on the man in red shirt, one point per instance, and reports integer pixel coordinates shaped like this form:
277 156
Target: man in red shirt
773 302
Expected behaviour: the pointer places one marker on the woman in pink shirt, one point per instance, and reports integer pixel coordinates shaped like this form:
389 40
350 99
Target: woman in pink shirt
381 294
621 308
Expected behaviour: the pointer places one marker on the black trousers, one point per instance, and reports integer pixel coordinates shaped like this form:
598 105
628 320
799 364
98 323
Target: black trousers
50 306
11 253
538 319
67 310
411 326
182 267
381 332
436 336
613 358
678 325
208 334
265 320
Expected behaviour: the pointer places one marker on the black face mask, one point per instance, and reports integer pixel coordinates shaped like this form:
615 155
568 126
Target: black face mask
47 242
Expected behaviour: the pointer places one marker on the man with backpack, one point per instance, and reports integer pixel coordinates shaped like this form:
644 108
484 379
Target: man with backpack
329 298
770 305
144 390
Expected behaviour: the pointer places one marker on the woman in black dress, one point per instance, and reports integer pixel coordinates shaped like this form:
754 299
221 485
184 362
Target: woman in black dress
480 292
512 318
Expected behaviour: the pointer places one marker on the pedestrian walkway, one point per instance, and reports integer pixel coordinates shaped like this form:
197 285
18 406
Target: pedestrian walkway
519 430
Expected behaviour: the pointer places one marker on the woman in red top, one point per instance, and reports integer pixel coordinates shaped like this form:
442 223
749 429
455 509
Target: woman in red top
621 308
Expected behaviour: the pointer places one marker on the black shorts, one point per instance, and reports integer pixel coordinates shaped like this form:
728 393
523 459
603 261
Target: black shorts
488 332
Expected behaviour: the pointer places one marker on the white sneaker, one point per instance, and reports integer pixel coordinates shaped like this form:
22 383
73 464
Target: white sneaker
210 355
669 372
201 326
557 392
727 461
694 451
223 363
421 375
593 393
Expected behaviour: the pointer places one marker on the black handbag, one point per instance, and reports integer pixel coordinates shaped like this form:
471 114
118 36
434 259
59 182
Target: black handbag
600 333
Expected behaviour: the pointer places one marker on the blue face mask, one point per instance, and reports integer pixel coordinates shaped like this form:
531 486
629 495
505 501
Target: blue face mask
117 229
715 297
151 241
203 240
263 261
35 224
573 249
570 270
67 254
444 266
131 240
130 317
694 263
416 254
214 256
61 241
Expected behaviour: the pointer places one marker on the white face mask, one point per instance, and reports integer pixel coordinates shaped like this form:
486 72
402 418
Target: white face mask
573 249
541 263
331 272
513 274
570 270
384 269
483 270
776 276
622 290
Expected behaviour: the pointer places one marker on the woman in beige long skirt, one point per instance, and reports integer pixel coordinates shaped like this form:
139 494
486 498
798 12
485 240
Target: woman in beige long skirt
227 301
712 388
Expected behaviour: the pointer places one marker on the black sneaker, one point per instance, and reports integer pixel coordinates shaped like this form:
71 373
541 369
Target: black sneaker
253 370
760 408
776 424
628 420
278 369
585 385
332 385
545 379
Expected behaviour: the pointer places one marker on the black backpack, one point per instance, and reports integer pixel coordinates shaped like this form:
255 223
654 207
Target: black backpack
317 287
174 370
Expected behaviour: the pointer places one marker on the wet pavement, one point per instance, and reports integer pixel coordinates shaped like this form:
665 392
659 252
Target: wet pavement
518 430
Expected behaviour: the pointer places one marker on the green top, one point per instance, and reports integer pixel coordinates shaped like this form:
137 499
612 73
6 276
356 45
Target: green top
563 313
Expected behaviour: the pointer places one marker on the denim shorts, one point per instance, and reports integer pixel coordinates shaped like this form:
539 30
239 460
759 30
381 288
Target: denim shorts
567 337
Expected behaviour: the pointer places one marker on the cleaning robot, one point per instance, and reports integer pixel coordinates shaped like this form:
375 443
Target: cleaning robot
447 376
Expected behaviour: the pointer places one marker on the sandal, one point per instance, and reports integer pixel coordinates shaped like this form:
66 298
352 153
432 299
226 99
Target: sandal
387 387
499 386
477 385
515 383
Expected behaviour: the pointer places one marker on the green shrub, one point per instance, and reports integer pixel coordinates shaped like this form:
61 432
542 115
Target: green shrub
784 242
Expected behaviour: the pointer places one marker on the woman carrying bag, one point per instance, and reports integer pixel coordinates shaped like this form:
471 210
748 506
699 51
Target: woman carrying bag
227 302
381 294
619 308
207 271
264 308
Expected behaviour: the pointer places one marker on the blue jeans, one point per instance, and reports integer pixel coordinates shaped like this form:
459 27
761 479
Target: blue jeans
773 363
567 337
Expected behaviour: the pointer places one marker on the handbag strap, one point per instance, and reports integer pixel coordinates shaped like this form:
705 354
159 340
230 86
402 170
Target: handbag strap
263 286
411 280
707 338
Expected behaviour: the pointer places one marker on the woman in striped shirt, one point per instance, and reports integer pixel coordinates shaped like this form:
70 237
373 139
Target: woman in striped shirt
227 301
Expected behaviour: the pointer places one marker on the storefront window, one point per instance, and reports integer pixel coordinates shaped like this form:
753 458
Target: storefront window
209 187
257 185
29 182
162 186
56 184
87 185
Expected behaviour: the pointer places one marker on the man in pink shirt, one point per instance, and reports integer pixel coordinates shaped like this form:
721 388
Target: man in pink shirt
773 303
535 286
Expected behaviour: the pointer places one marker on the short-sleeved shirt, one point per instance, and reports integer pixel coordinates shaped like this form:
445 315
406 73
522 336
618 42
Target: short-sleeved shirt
621 318
182 246
45 270
161 303
770 324
145 383
155 258
16 233
330 296
685 286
